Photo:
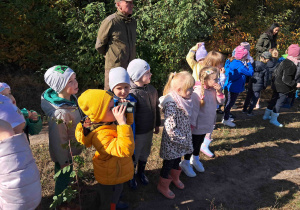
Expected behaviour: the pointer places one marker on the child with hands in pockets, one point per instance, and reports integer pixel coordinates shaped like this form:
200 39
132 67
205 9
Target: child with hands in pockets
147 115
207 95
110 133
176 105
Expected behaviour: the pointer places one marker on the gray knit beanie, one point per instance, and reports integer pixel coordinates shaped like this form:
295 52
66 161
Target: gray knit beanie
266 55
118 75
57 77
137 68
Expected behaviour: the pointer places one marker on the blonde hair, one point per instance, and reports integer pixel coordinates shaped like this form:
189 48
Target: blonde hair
274 53
214 59
183 79
204 75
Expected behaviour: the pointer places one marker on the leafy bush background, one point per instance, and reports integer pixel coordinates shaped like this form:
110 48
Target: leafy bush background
36 35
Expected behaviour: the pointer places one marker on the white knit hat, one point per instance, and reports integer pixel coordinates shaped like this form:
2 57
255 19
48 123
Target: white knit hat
118 75
137 68
57 77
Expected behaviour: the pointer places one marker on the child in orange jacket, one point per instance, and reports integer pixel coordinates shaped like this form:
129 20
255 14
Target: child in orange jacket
107 130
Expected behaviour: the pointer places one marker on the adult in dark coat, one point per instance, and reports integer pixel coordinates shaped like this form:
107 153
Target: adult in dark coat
284 84
267 40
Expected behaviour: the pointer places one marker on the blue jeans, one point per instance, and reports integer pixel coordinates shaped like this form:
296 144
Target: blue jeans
231 99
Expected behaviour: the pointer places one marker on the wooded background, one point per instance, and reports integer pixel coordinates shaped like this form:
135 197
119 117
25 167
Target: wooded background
37 34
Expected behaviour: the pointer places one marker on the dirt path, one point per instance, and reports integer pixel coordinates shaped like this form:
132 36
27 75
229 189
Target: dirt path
251 178
42 138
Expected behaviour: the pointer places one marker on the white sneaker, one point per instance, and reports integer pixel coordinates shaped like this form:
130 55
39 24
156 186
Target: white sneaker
228 123
231 119
187 168
196 163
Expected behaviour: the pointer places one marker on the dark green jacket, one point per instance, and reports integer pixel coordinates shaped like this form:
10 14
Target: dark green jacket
263 44
116 40
32 127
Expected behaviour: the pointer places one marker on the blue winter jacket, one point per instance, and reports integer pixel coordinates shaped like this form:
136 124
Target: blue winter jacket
236 73
130 98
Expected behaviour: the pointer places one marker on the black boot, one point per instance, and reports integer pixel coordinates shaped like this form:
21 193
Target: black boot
132 183
141 174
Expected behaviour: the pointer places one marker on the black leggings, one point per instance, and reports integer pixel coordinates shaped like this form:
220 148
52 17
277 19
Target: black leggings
197 141
168 165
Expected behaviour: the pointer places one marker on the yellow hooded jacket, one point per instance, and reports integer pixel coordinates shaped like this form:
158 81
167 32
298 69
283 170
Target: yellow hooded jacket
113 159
195 66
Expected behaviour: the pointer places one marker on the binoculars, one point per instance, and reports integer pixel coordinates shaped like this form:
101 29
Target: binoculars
130 106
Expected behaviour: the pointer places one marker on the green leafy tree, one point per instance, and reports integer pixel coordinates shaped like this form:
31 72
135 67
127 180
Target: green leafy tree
166 31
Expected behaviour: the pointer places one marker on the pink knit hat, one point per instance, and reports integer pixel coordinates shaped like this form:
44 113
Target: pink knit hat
240 52
294 50
201 52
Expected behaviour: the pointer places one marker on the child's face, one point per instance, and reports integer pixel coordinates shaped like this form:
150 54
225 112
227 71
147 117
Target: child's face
146 78
122 90
6 92
72 85
211 80
185 94
109 117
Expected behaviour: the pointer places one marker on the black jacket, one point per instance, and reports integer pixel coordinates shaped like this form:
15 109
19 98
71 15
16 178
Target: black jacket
272 65
259 80
147 115
297 77
285 77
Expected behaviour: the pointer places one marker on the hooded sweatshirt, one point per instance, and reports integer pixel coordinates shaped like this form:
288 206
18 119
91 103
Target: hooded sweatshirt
63 116
236 73
114 146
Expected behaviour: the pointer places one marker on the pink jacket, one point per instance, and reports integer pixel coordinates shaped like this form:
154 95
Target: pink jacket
20 186
203 118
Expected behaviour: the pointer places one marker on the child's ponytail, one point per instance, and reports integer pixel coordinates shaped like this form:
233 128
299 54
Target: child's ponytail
204 75
168 85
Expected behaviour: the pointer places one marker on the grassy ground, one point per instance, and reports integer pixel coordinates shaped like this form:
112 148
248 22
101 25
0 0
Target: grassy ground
256 167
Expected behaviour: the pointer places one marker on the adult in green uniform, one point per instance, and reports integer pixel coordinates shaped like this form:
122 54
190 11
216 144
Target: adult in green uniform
267 40
116 38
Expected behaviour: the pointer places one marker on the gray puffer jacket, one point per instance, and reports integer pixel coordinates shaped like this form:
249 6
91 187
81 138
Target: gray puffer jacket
20 186
147 115
61 133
